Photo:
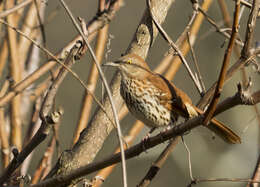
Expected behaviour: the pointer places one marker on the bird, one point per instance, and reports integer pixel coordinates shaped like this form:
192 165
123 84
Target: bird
156 101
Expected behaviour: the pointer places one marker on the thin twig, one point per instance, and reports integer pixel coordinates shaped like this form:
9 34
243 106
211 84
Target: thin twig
46 160
246 3
91 82
120 136
35 124
47 119
168 59
212 107
129 139
218 29
202 85
245 53
157 165
189 157
176 62
15 8
251 23
169 40
196 181
94 25
22 85
256 175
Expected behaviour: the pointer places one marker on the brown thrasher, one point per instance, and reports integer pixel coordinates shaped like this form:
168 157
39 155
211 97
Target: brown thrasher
157 102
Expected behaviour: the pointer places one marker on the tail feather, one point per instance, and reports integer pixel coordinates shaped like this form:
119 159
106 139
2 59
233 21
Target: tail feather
224 132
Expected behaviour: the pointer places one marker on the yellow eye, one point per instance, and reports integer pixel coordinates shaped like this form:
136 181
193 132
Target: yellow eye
129 61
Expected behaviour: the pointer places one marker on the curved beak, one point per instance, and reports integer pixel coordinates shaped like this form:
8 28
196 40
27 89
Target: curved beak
110 64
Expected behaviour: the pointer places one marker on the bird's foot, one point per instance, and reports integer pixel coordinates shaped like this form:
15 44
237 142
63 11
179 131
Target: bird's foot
148 135
146 138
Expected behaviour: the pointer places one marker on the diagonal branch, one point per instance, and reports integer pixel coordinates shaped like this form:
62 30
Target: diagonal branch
212 107
143 146
175 47
251 24
93 137
96 23
119 132
47 120
15 8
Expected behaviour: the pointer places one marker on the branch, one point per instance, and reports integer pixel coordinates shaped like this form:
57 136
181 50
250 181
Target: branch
134 151
15 8
212 107
118 128
95 24
47 120
154 169
232 70
93 137
175 47
251 23
218 29
196 181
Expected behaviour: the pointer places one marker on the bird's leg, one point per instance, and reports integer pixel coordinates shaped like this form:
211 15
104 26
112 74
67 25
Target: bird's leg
148 135
151 130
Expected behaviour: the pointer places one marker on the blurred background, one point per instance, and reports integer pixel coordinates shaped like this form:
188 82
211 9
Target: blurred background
210 158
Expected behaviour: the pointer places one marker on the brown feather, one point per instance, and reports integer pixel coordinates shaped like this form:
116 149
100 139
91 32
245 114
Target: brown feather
136 73
176 100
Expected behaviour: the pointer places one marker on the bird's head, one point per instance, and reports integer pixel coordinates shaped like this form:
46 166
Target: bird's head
131 65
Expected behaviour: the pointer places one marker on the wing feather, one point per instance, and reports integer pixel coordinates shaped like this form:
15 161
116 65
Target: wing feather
170 96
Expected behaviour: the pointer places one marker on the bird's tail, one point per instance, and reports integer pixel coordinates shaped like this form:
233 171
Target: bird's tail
222 130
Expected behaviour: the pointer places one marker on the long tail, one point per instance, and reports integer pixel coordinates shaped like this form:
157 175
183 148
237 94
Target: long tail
222 130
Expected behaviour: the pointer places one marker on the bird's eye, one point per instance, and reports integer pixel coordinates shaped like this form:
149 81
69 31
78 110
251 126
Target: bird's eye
129 61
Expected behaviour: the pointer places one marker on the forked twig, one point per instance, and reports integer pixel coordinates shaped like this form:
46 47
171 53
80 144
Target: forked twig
194 31
218 29
251 24
47 119
95 24
57 61
40 136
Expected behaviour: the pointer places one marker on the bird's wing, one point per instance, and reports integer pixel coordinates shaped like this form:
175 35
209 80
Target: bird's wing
171 97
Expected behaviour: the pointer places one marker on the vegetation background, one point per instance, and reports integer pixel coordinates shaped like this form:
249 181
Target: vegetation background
210 158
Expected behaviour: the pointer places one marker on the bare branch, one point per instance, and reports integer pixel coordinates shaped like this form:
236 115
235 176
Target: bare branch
15 8
119 132
134 151
156 166
251 23
100 127
212 107
96 23
175 47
